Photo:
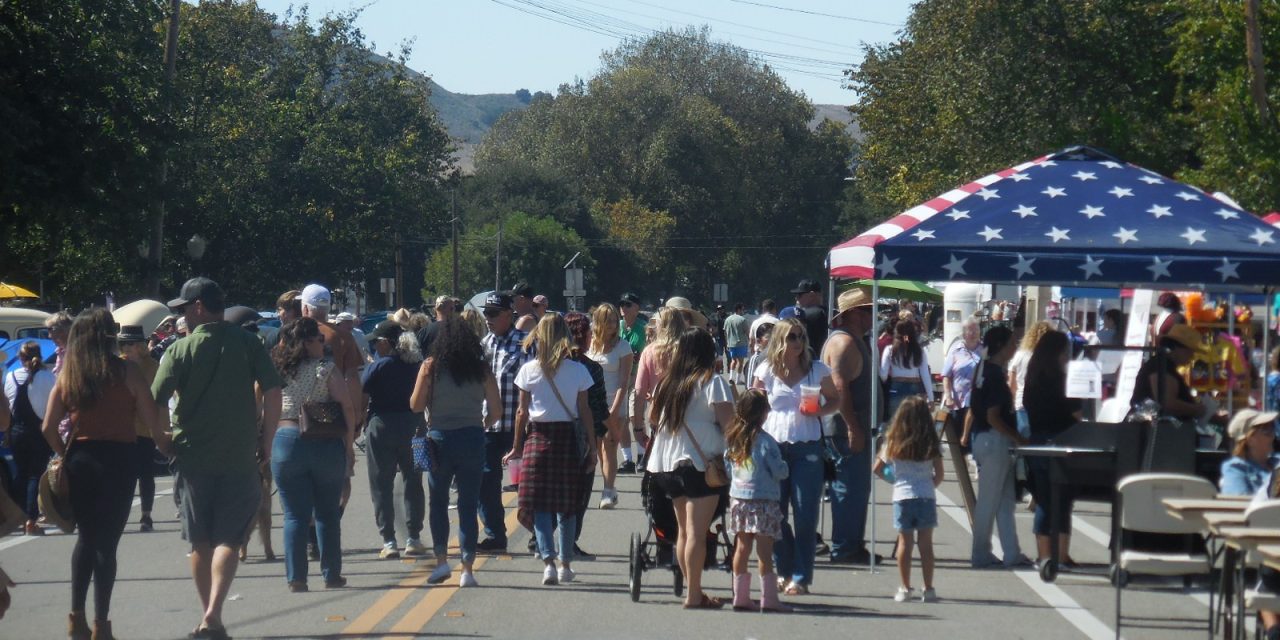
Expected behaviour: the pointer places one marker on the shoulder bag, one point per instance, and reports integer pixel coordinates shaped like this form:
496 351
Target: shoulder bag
579 428
325 419
715 475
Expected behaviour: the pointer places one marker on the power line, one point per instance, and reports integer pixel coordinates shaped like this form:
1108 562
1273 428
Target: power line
818 13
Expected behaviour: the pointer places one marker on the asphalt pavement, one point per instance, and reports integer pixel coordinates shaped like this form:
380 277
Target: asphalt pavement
155 598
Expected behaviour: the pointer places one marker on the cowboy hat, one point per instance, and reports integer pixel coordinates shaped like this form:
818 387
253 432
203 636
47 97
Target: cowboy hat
56 509
852 299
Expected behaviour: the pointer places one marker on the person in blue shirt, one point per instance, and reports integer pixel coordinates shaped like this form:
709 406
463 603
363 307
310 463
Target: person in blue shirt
1253 457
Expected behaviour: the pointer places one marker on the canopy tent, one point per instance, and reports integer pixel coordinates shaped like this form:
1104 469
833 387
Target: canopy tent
8 291
1077 217
909 289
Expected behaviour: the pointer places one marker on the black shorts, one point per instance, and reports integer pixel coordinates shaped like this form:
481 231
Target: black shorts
685 482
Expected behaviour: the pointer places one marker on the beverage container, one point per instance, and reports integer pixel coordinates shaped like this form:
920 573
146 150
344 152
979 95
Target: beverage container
809 403
513 470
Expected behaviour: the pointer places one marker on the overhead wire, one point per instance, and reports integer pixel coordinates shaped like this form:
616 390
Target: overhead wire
818 13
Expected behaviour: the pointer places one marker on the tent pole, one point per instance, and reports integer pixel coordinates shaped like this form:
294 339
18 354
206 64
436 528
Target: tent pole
875 410
1266 345
1231 332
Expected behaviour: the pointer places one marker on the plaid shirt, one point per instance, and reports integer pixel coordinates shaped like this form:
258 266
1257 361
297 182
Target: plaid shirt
506 356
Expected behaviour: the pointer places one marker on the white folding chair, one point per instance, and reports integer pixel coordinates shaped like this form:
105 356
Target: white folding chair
1142 509
1263 515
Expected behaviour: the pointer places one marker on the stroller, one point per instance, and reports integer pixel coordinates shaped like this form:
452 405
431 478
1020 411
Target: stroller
656 548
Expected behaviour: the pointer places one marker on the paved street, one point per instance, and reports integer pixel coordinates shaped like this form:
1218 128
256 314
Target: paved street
154 597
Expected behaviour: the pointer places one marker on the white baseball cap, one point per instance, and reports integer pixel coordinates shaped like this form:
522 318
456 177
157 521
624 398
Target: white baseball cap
314 295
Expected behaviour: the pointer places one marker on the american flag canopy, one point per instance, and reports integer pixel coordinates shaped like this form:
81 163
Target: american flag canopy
1078 217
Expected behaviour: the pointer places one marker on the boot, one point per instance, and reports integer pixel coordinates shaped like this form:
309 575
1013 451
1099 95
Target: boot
78 627
769 594
742 592
102 630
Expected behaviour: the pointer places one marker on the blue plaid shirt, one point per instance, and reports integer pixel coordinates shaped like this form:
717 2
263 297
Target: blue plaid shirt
506 356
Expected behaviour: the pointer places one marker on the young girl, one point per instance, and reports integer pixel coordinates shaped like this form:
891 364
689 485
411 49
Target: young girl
912 447
755 465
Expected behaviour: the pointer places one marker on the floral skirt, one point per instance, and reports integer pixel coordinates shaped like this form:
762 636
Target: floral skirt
761 517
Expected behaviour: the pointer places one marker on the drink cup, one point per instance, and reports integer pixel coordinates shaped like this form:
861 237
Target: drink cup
513 469
809 402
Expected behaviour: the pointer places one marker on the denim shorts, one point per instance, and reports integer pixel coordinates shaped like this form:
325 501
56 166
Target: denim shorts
915 513
738 352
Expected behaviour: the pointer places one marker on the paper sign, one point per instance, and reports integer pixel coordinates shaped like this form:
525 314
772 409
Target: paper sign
1084 380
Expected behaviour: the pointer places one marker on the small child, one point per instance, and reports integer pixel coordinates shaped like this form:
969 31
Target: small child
754 462
912 448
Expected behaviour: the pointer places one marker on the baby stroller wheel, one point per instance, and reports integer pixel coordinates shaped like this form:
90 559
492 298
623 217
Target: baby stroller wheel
637 566
677 586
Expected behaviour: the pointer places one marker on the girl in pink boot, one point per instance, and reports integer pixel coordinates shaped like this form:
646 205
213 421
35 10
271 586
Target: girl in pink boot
755 465
912 460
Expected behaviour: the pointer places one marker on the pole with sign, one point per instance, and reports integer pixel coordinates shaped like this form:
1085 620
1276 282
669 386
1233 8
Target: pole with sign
574 284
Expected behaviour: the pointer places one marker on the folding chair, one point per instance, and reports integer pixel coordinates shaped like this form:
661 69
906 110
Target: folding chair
1141 497
1263 515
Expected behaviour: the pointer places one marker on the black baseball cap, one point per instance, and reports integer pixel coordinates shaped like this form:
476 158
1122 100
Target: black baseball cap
499 300
807 286
202 289
629 298
522 289
388 329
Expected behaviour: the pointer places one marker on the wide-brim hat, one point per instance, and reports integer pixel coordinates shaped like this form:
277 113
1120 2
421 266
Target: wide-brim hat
56 510
852 299
1185 336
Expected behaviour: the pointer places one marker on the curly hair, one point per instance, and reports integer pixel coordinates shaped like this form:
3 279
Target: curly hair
748 419
1033 335
776 350
289 353
456 349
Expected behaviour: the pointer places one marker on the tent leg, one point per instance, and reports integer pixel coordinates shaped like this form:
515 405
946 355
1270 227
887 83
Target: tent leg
1231 331
875 413
1267 302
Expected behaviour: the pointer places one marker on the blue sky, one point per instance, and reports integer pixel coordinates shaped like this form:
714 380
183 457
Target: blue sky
499 46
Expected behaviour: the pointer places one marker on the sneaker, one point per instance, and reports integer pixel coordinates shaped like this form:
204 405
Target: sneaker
565 574
579 554
468 579
440 573
389 551
903 595
929 595
1020 561
297 587
146 524
549 576
491 545
414 547
532 545
336 583
627 467
608 498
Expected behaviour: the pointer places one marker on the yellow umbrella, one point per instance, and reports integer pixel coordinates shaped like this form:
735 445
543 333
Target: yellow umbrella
8 291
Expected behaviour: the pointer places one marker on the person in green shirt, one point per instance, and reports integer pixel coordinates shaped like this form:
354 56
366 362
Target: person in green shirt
216 372
632 330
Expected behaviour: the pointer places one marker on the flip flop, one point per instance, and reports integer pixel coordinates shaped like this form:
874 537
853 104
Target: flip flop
707 602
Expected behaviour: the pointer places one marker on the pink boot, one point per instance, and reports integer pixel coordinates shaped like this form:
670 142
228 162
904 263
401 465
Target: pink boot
742 592
769 595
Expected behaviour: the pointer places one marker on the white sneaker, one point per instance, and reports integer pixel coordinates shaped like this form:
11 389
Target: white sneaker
929 595
608 498
414 547
566 574
468 579
549 575
389 551
440 574
903 594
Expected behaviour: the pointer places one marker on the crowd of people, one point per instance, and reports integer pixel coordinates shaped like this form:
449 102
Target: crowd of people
756 420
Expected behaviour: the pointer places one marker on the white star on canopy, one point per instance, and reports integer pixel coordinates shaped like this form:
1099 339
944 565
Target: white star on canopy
958 214
1159 211
1226 214
1262 236
1151 180
888 267
1193 235
1024 211
1126 235
1091 267
1058 234
988 194
1054 192
1023 266
1228 269
955 266
1121 192
1019 177
1047 163
1092 211
922 234
1188 196
1084 176
1111 165
1159 268
991 234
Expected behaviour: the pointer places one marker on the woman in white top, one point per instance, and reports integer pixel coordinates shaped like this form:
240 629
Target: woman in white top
789 367
553 397
1018 371
615 357
904 366
691 408
27 390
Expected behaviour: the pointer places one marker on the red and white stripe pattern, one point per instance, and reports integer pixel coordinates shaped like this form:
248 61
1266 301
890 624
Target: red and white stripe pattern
855 258
1272 218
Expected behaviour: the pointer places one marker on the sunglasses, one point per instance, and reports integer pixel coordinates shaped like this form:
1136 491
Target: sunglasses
794 337
493 313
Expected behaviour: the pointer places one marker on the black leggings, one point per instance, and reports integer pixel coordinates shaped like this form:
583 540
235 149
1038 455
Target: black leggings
145 452
31 455
101 476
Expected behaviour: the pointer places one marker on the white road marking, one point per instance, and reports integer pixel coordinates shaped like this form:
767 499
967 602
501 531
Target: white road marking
17 540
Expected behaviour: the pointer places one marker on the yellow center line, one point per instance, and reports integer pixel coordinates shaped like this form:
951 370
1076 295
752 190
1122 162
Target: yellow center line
368 621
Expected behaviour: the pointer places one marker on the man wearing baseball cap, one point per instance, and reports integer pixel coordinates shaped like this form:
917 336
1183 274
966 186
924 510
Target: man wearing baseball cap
215 437
809 310
504 351
847 354
632 330
316 301
522 303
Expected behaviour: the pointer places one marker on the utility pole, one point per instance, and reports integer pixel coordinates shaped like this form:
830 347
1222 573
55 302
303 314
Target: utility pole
1256 64
399 274
497 261
455 241
157 215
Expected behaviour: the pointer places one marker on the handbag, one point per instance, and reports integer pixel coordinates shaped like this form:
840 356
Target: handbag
579 429
322 419
423 451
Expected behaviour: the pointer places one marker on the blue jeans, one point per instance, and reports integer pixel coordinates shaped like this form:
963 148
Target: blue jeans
996 499
552 529
1024 423
900 390
309 474
496 445
459 454
849 494
801 495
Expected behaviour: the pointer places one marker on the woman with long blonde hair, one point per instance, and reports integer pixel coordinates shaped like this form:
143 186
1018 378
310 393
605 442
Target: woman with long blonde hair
691 407
1018 371
797 426
555 451
668 324
615 357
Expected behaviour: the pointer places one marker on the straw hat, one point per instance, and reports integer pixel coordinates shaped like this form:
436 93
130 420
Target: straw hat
852 299
56 509
683 304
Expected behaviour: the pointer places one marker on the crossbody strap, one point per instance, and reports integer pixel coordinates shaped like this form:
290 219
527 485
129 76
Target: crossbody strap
552 381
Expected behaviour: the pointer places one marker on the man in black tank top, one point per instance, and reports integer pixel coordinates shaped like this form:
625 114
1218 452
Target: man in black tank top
849 357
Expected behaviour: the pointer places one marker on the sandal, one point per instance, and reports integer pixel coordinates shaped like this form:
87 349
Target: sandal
707 602
797 589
